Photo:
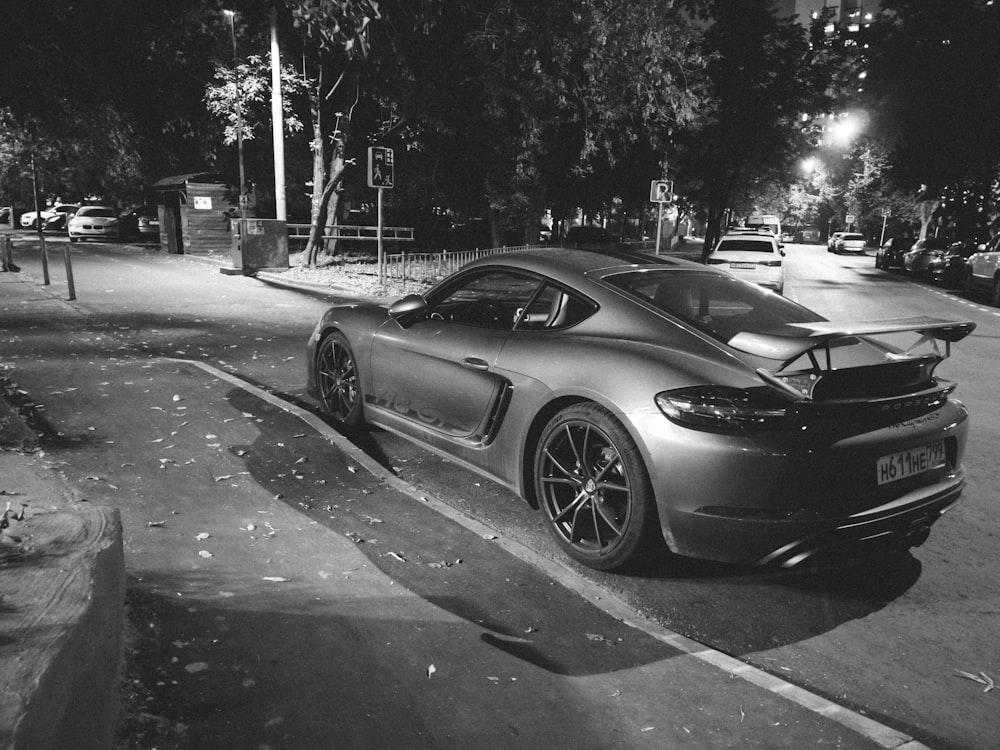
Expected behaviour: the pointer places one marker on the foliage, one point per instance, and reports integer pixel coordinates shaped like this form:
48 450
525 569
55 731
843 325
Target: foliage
763 79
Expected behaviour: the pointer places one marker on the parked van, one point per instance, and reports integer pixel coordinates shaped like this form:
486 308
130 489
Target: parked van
765 221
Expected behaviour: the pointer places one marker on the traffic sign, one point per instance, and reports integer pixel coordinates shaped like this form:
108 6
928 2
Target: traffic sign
661 191
850 218
380 167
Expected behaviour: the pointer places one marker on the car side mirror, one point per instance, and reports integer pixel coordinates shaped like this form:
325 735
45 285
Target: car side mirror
782 253
408 310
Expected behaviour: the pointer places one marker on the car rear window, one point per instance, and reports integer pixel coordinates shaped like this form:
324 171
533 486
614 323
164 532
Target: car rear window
852 237
753 246
716 304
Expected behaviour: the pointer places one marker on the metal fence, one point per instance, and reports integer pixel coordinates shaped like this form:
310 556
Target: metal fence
431 267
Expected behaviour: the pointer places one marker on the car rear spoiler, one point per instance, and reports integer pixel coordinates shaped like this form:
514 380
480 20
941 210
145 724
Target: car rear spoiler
795 339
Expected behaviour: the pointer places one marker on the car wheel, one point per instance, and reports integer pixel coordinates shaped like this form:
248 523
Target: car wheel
593 488
995 292
337 381
73 239
967 285
878 262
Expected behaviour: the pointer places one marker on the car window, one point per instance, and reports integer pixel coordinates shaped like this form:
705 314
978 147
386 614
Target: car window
554 308
852 237
718 305
754 246
95 211
490 299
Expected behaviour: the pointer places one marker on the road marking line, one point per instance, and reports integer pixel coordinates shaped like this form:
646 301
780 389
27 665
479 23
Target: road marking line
600 597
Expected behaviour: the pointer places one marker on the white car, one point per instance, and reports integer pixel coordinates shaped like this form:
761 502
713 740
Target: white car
94 222
28 219
752 255
982 271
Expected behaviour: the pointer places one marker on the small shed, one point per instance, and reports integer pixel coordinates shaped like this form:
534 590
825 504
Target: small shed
194 212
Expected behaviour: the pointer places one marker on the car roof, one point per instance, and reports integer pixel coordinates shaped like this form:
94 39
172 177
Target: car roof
567 263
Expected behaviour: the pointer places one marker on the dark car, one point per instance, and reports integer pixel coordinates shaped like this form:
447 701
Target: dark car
141 222
949 267
641 402
589 238
890 255
917 258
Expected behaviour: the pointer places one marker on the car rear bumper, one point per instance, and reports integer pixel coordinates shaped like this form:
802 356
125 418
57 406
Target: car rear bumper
901 523
782 498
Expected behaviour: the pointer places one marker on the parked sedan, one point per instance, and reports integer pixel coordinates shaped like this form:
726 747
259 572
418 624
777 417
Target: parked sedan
141 222
982 271
60 216
94 222
752 255
890 255
949 267
849 242
642 401
918 258
29 219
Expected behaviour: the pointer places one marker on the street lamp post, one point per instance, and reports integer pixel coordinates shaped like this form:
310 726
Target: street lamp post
231 15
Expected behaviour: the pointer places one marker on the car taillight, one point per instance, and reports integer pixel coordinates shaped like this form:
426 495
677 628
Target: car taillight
771 263
722 408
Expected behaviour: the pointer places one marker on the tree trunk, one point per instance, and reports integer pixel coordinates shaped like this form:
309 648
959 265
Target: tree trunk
326 212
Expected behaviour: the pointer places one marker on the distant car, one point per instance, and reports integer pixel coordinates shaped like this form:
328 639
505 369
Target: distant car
832 241
589 238
849 242
29 219
949 267
94 223
982 271
61 215
810 235
5 212
141 222
737 425
752 255
918 257
890 255
788 237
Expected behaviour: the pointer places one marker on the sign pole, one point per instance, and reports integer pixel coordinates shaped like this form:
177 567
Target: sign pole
659 225
381 254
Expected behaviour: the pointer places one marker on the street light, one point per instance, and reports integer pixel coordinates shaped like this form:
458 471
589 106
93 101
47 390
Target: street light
231 15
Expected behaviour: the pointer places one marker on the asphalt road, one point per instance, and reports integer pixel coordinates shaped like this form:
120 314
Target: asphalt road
886 639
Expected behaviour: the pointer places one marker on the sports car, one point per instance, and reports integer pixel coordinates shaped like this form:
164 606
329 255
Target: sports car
643 401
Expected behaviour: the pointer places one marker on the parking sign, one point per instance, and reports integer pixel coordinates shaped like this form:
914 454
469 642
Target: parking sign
661 191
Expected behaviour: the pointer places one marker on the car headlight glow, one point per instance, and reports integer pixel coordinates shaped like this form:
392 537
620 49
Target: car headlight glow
722 408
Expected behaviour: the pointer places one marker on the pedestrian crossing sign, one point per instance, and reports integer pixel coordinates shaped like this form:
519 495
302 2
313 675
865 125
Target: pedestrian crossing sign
380 167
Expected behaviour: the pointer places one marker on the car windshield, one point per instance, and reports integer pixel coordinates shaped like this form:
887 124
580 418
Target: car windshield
718 305
753 246
95 211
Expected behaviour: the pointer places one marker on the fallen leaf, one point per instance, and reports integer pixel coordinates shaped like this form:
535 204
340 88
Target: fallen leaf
222 478
151 524
195 667
982 678
202 536
204 553
276 579
431 670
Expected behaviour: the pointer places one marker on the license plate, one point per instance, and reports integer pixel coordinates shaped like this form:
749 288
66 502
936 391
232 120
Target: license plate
747 266
908 463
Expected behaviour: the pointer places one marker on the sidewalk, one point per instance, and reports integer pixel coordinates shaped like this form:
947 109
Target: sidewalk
333 605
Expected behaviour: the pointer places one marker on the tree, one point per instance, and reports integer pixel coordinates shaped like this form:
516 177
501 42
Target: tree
763 77
935 99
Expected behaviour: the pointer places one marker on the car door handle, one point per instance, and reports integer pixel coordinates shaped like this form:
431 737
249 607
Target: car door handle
474 363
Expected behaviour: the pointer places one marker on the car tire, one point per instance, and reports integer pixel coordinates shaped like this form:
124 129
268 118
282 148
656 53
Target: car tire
337 381
593 488
995 292
73 239
878 262
968 286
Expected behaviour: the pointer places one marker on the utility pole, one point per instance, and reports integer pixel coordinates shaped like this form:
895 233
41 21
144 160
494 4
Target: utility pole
277 129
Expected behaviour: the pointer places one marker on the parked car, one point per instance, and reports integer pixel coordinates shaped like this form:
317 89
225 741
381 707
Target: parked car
140 222
982 271
890 255
831 241
738 426
59 217
94 222
949 267
849 242
589 238
918 257
29 219
752 255
5 213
